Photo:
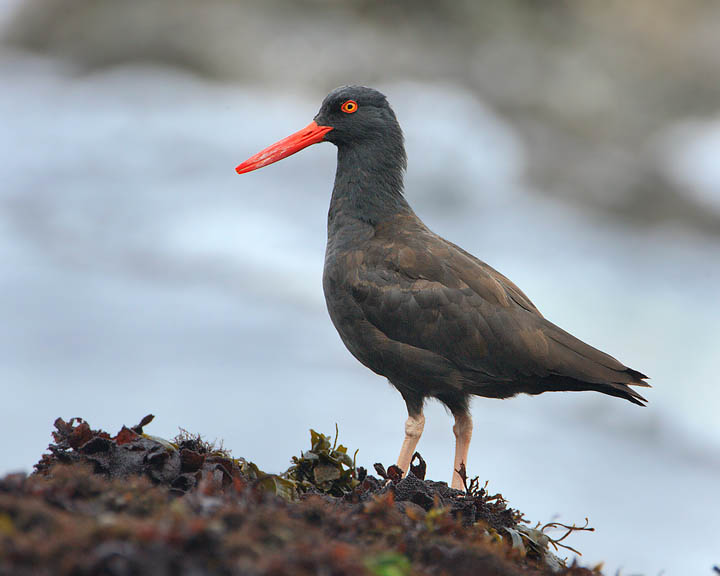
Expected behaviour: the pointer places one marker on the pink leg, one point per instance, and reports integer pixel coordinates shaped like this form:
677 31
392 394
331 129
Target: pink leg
413 430
463 434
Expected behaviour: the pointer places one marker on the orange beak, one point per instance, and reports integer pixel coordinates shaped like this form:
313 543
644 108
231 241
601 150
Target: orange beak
311 134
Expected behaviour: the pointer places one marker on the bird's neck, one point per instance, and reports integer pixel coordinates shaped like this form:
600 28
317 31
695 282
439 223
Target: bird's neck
368 184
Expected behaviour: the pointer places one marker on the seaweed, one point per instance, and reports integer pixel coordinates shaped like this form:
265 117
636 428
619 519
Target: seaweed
136 504
326 468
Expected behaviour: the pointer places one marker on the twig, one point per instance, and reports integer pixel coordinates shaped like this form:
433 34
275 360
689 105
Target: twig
570 529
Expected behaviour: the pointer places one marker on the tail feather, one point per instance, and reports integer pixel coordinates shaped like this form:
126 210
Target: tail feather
639 377
575 365
624 391
557 383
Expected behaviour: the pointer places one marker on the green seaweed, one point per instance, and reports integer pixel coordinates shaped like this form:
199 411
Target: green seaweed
389 564
326 467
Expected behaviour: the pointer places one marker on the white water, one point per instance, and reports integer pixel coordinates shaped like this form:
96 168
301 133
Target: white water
140 273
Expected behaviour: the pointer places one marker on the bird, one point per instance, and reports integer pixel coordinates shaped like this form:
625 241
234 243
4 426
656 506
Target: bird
433 319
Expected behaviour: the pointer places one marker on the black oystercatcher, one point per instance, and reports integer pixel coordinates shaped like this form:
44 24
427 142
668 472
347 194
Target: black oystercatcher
417 309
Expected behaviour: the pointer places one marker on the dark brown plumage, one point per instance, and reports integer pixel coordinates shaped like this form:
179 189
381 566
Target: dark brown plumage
417 309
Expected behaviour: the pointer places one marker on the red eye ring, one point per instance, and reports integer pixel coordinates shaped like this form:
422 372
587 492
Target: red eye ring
349 106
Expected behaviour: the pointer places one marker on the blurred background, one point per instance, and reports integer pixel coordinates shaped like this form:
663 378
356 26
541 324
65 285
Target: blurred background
574 146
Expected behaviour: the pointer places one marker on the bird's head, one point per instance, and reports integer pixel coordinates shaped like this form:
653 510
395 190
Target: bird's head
349 115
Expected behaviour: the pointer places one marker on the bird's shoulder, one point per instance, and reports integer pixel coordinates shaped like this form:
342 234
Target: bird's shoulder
483 277
408 255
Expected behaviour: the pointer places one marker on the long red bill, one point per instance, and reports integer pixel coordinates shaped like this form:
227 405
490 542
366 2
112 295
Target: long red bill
311 134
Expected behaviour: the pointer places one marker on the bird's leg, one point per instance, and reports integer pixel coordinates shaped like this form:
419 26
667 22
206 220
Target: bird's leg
413 430
463 434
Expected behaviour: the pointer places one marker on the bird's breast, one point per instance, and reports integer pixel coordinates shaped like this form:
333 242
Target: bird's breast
341 270
345 263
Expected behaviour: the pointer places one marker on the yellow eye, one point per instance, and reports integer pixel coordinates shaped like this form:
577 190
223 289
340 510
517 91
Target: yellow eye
349 106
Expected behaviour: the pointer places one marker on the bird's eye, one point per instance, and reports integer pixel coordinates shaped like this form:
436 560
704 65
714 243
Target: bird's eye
349 106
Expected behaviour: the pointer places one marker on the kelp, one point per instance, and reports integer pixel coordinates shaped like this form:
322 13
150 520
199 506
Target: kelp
137 504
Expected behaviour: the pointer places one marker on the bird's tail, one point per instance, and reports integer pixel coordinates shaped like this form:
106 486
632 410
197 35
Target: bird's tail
571 364
623 390
557 383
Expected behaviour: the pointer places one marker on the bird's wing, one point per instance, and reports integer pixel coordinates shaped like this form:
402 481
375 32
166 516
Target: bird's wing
474 270
441 299
453 322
